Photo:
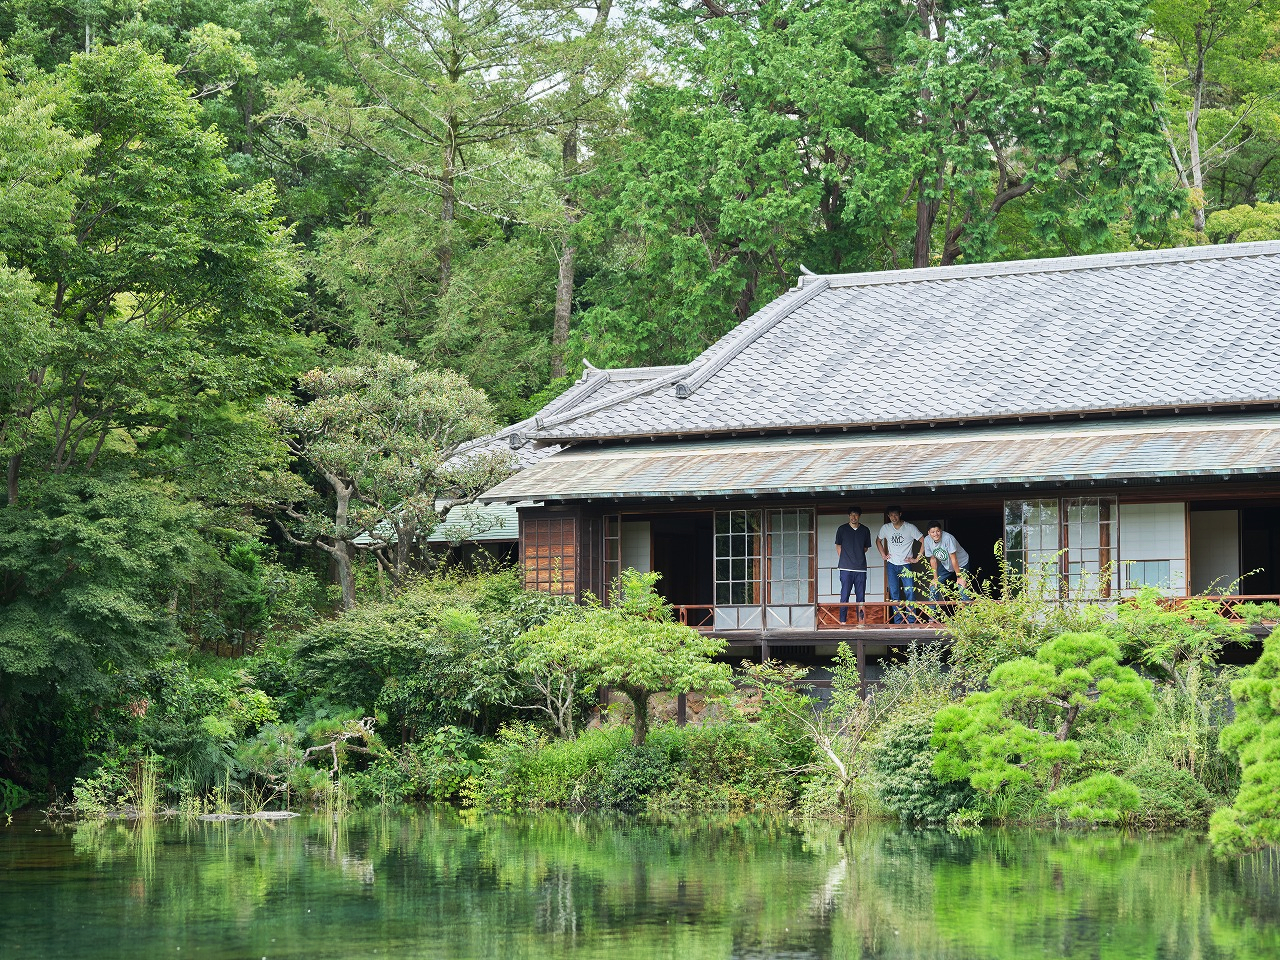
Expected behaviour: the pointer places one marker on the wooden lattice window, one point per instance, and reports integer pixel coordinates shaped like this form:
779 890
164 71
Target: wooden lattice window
550 555
790 556
612 550
739 550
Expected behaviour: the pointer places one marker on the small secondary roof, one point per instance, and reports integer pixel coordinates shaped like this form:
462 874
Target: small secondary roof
1191 327
1185 447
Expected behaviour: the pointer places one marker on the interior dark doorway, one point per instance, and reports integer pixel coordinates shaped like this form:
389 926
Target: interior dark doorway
978 531
682 552
1260 550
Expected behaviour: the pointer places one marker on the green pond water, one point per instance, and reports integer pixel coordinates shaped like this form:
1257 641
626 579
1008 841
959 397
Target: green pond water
437 884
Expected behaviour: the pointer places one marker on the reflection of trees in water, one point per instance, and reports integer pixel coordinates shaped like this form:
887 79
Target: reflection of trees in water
442 884
1068 894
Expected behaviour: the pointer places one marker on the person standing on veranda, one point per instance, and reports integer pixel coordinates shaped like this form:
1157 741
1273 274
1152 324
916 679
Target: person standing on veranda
853 540
949 560
897 542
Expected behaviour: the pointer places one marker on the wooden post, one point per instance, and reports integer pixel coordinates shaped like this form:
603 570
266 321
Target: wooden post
682 708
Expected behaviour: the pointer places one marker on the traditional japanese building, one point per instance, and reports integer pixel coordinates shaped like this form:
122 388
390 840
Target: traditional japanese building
1116 417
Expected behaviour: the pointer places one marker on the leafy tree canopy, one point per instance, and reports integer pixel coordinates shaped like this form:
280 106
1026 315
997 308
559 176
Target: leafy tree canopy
386 443
632 645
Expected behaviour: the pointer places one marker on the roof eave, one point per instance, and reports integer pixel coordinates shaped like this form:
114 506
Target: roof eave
879 426
990 483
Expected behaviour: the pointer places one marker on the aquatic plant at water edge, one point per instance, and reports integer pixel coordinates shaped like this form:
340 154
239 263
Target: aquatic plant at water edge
12 796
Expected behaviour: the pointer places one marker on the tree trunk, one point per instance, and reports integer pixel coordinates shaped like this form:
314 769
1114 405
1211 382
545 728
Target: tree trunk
569 169
564 282
564 308
343 552
448 213
640 723
1193 138
15 465
346 575
926 214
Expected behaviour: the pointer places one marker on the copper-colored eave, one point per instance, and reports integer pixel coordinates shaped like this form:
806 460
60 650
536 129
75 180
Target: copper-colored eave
879 426
990 483
1239 445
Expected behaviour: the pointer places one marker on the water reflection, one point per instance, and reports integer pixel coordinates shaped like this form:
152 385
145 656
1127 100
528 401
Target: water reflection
445 885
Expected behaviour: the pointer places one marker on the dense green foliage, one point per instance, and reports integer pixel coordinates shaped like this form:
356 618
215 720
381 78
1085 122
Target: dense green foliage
1253 818
903 767
633 645
1025 729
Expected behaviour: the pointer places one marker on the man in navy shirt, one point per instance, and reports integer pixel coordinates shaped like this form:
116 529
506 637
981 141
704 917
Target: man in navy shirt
853 540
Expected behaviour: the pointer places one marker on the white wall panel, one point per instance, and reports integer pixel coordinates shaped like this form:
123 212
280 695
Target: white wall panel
636 544
1215 551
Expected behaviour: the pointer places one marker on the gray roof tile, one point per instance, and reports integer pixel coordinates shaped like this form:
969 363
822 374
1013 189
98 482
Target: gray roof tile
1165 328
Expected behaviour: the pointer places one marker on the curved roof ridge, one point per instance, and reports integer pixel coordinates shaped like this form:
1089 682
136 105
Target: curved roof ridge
1090 261
761 323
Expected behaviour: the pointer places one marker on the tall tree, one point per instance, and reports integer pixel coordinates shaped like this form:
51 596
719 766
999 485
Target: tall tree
1221 75
598 64
445 90
387 443
847 136
162 286
142 303
1003 100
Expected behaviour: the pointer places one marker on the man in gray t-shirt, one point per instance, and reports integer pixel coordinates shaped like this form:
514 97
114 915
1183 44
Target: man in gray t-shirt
896 542
949 560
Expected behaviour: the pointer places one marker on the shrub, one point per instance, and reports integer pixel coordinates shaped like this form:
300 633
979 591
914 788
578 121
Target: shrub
1253 819
1170 797
730 765
902 762
1255 613
524 769
104 791
635 772
835 735
1013 617
1101 798
1025 730
723 766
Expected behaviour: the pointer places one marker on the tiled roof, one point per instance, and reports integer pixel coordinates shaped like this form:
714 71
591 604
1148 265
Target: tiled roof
1157 329
498 522
483 523
1143 450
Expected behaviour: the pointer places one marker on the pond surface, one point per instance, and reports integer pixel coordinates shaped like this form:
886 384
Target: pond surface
438 884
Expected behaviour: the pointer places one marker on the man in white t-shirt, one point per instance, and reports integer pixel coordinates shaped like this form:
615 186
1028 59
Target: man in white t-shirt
897 542
949 560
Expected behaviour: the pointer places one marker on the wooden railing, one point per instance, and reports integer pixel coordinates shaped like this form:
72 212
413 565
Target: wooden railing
908 614
931 614
700 616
